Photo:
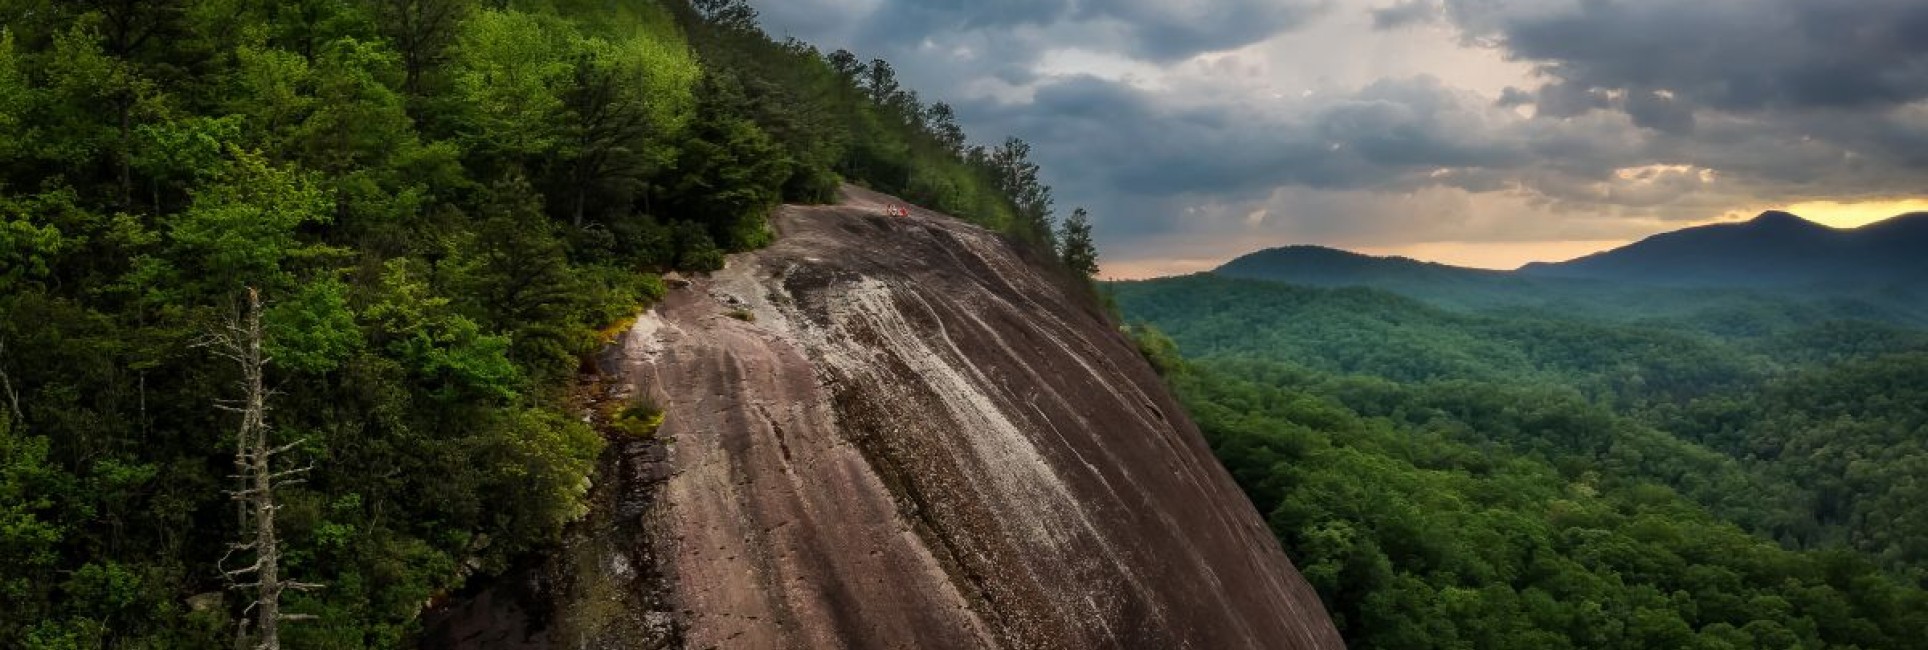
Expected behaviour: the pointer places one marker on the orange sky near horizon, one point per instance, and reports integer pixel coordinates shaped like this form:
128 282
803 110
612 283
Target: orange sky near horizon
1512 255
1843 214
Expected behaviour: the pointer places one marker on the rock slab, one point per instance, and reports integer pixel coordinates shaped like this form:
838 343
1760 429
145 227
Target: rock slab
904 432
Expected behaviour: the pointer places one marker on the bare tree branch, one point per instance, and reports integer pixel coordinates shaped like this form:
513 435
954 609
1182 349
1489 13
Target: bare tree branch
242 342
286 447
6 385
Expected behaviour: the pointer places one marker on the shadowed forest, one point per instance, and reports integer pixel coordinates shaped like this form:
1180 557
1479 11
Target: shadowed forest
1705 470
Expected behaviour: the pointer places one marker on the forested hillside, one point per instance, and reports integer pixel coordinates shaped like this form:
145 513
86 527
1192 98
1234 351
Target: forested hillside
1731 290
442 203
1526 479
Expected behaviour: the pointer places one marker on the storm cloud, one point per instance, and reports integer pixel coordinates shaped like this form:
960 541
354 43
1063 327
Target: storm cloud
1212 128
1728 55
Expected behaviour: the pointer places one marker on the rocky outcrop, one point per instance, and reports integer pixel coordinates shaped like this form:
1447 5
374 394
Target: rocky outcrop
899 432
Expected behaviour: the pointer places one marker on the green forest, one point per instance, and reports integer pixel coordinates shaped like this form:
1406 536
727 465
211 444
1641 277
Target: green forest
445 206
1508 478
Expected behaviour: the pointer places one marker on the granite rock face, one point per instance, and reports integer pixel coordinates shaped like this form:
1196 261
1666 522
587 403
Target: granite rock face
903 432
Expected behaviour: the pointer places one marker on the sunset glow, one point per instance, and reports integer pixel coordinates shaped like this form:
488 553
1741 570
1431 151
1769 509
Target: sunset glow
1496 255
1849 214
1508 255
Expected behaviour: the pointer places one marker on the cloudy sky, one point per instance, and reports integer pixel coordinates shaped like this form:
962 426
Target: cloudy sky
1478 132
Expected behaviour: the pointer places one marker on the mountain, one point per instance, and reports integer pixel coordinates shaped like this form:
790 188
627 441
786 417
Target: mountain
1774 250
902 432
1318 266
1776 266
1328 267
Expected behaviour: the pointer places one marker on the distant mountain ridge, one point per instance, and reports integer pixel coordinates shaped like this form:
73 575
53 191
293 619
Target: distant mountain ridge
1872 270
1774 250
1322 266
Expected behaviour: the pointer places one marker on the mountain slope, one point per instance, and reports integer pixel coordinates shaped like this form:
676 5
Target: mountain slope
1450 479
1453 286
900 432
1776 249
1327 267
1749 276
1370 332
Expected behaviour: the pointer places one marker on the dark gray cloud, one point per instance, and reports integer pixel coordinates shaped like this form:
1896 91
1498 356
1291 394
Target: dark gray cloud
1730 55
1407 13
1162 30
1659 111
1511 97
1568 98
1145 148
1153 30
912 22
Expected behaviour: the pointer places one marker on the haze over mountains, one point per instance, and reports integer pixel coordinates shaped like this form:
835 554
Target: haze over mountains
1875 271
1775 249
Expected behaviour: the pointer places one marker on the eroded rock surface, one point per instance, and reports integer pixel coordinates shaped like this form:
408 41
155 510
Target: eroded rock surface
897 432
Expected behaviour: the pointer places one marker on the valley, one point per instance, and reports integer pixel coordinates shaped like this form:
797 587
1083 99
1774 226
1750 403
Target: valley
1462 458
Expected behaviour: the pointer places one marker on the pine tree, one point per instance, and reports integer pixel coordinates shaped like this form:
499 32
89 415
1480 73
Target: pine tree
1075 246
1014 174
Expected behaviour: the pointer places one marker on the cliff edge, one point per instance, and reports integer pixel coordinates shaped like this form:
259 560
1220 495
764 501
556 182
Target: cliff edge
898 432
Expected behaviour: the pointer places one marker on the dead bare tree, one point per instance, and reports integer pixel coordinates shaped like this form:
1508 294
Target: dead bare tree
254 454
6 385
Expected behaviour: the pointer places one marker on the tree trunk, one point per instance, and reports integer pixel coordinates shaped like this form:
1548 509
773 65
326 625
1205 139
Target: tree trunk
254 461
6 388
126 153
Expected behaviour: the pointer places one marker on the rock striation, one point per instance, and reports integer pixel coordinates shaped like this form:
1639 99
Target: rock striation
903 432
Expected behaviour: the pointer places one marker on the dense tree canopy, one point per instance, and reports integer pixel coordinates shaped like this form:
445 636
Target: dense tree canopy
1506 479
441 203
